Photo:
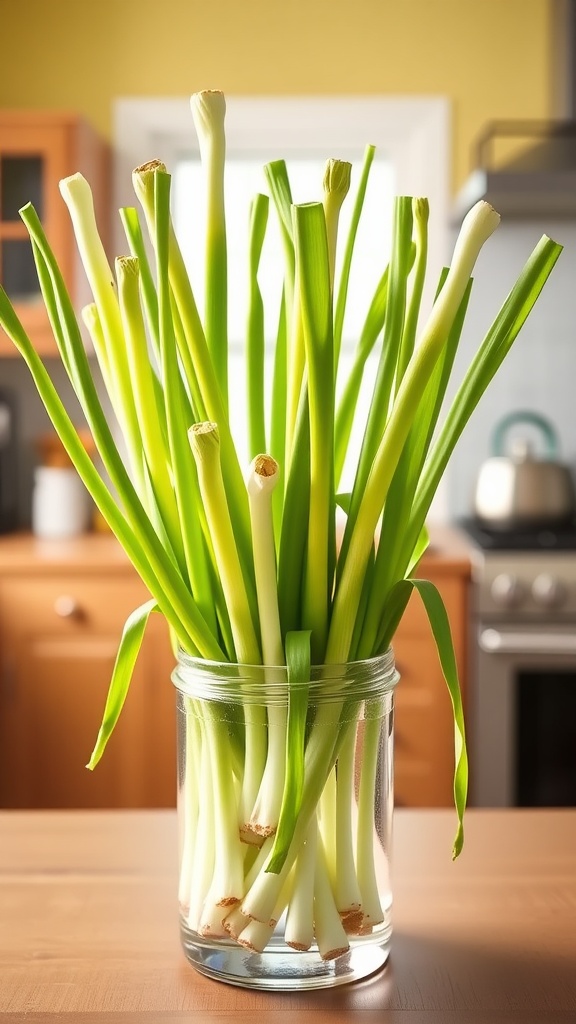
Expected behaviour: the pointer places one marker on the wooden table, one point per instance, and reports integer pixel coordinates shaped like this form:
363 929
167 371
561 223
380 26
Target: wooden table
88 926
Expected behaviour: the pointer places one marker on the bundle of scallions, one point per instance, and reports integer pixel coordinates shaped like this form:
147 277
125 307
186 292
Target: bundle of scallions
243 562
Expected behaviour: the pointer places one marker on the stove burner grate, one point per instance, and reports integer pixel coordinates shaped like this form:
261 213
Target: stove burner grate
533 537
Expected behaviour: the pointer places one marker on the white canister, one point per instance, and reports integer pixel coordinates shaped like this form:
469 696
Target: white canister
60 503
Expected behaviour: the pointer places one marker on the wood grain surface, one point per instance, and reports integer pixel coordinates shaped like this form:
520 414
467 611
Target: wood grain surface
88 926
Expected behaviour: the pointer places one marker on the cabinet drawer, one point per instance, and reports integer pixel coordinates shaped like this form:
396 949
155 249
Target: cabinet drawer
417 785
66 603
414 621
453 590
423 752
418 729
416 659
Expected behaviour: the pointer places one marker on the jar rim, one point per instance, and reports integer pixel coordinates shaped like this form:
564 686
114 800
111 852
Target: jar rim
255 684
384 661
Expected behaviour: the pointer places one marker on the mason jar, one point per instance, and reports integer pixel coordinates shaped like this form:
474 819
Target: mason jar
285 802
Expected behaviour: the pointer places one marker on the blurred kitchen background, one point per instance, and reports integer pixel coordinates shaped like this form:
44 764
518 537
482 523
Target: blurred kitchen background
489 61
501 72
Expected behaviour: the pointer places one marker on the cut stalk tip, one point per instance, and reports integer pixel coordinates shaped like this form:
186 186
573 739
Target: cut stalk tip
127 265
206 427
421 209
265 465
204 438
74 182
149 167
481 221
208 107
337 177
143 178
262 474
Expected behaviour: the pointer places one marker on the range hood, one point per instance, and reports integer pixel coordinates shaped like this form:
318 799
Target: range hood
541 180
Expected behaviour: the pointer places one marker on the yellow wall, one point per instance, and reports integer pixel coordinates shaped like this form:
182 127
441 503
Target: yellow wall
490 57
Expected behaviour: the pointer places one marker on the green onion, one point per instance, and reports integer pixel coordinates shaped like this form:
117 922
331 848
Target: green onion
78 197
391 345
146 406
347 406
208 111
477 228
336 186
369 154
255 331
205 443
261 481
312 260
244 565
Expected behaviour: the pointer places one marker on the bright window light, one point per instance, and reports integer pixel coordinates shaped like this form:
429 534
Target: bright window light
244 178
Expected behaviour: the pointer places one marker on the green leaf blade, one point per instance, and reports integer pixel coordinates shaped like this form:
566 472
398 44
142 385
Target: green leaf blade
255 331
342 291
128 650
439 622
313 276
437 616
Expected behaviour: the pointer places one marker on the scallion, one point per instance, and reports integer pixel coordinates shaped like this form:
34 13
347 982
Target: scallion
245 566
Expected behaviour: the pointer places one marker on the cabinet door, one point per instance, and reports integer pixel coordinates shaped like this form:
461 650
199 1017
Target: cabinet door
424 730
56 667
57 707
33 159
159 661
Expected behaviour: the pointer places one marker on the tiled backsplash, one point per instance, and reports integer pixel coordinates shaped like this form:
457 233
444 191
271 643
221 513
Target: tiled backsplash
540 371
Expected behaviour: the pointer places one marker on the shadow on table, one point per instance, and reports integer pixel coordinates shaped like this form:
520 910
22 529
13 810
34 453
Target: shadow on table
481 983
426 981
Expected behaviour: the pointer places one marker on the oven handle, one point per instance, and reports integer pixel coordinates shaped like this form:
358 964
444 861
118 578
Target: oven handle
494 642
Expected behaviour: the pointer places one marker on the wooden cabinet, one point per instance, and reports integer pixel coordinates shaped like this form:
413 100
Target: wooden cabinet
62 608
37 149
59 632
424 731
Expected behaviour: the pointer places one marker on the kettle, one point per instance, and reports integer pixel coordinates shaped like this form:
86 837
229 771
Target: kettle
517 488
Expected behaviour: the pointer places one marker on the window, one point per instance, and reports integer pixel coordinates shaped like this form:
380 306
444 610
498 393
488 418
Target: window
411 136
244 177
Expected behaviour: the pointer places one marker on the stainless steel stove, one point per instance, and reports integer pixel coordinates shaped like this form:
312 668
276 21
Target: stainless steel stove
523 672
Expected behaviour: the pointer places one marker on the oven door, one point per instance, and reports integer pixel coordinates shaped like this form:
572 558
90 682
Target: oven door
523 749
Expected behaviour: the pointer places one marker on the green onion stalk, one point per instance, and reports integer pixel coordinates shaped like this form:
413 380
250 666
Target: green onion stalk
243 561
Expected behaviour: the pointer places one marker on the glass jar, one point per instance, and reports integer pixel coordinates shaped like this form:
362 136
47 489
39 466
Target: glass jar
285 811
